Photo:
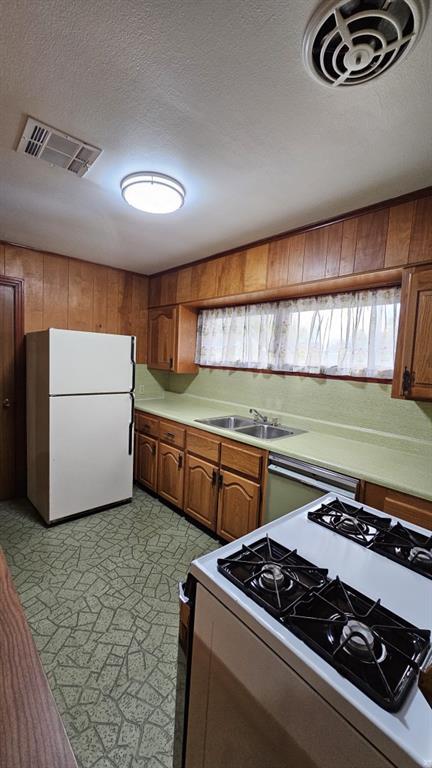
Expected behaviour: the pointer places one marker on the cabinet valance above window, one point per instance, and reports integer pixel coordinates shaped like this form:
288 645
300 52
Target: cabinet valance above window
345 334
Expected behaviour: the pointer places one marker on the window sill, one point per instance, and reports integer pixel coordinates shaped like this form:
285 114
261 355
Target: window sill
298 373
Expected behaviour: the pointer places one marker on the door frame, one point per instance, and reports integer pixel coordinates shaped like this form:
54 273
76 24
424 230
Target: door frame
17 284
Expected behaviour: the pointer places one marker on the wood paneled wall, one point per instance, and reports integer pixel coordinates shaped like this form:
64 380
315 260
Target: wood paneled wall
382 238
61 292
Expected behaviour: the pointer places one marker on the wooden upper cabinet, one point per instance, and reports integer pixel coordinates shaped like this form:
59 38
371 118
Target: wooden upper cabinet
238 506
172 339
413 365
161 329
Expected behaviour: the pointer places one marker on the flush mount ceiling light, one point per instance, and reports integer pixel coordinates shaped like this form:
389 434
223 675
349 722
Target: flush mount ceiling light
153 192
350 42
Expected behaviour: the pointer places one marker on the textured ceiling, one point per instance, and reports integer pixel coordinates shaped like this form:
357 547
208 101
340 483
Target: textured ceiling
212 92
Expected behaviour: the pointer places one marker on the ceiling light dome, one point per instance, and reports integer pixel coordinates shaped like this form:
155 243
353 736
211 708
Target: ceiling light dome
153 192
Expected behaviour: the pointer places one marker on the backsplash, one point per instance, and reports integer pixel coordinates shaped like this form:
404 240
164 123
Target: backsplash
149 384
366 407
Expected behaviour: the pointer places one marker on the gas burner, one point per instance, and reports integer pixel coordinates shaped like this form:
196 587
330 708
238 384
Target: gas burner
376 650
349 524
350 521
272 575
407 547
361 642
420 555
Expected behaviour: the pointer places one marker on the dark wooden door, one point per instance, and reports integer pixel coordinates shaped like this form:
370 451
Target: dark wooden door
7 392
201 491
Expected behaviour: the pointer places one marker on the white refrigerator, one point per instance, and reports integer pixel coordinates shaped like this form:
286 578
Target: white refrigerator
79 421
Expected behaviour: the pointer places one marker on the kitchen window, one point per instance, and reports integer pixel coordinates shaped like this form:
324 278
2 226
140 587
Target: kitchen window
347 334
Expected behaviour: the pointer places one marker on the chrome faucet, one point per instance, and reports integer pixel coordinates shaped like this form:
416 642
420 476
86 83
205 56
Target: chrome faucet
258 416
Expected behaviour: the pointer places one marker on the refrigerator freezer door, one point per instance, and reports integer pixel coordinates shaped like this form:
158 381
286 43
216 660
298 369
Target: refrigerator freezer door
86 363
90 463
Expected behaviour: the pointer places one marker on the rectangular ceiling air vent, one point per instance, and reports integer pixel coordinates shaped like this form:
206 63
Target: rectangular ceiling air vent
57 148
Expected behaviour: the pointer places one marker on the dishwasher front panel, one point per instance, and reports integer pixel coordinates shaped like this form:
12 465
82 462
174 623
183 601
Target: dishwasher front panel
285 495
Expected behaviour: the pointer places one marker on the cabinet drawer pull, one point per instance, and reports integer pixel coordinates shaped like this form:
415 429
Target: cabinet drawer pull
180 461
170 363
221 480
170 435
153 450
214 477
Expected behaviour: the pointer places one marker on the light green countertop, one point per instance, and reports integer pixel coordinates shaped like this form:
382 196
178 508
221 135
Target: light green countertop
402 471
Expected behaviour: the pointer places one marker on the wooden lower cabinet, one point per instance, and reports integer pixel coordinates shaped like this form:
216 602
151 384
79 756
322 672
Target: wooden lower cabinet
201 491
171 474
238 508
409 508
146 461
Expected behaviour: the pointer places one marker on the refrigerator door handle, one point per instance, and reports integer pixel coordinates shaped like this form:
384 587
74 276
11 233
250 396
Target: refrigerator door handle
133 362
131 423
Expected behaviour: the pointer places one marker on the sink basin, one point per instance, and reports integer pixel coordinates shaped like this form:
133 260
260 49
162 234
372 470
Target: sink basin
227 422
268 431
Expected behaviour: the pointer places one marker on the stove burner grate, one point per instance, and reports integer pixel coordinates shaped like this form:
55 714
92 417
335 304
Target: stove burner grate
407 547
272 575
376 650
353 522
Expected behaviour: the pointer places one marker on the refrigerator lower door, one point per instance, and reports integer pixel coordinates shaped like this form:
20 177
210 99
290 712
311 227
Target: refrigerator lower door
87 363
91 452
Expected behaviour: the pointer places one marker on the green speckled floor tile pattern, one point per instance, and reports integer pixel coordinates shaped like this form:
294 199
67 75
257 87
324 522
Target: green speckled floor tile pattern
100 595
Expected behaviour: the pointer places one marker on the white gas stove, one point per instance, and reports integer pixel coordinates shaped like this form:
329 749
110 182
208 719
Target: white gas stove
316 609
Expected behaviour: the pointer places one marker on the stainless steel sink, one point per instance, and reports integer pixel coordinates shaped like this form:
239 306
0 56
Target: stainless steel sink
268 431
227 422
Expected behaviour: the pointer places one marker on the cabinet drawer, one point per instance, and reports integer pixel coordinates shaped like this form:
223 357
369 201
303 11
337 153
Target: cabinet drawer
410 508
147 425
242 458
172 433
202 444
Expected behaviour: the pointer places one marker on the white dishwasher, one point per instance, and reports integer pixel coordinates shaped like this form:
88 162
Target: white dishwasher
292 483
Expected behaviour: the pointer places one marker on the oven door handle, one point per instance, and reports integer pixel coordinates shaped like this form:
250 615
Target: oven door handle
182 595
325 487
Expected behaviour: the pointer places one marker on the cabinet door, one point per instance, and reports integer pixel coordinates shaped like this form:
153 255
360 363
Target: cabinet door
146 462
238 506
413 366
201 491
161 338
410 508
170 474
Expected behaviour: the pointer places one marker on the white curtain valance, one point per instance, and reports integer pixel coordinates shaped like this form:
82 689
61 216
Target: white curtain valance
345 334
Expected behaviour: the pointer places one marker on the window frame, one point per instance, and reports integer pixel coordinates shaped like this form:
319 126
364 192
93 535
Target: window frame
302 374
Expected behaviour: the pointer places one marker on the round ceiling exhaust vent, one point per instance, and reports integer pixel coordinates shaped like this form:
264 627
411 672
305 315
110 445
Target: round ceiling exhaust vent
347 43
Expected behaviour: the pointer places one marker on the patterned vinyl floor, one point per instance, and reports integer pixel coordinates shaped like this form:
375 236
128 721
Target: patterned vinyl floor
100 595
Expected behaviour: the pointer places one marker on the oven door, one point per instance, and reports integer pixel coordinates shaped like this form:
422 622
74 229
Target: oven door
187 591
249 708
